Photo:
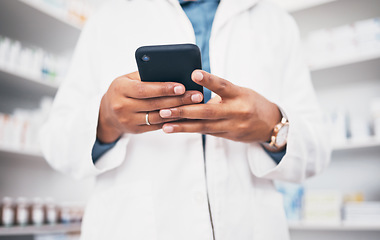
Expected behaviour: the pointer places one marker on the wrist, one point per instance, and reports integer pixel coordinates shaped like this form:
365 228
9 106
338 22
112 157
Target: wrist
273 119
107 135
279 136
106 131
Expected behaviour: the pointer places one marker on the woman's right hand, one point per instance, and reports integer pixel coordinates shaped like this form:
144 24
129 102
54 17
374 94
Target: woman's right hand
124 106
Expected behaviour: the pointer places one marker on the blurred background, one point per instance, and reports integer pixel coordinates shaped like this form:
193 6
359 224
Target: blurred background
341 43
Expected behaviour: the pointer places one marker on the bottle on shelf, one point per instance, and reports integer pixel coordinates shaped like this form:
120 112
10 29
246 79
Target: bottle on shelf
38 215
22 211
51 210
7 212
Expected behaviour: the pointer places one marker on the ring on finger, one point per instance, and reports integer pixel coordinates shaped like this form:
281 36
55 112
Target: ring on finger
147 119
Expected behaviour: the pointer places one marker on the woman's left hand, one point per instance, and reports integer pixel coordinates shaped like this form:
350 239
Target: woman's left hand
236 113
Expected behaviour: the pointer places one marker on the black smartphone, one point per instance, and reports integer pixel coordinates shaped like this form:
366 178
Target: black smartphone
169 63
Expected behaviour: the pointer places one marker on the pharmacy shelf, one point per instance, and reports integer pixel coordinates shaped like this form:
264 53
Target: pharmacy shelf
346 61
352 145
334 227
27 21
38 230
52 12
299 5
18 80
10 153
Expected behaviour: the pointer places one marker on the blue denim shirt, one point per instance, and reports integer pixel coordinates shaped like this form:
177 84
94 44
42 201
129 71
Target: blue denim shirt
201 14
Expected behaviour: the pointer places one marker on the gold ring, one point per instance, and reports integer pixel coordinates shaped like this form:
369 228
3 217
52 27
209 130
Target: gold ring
147 119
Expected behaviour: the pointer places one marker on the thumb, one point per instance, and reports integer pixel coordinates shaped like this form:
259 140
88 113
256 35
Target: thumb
220 86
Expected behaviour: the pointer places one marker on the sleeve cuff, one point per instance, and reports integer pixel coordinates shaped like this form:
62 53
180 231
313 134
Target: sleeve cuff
276 156
100 148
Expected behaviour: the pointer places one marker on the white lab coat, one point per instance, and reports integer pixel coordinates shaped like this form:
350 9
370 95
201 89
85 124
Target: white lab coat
153 185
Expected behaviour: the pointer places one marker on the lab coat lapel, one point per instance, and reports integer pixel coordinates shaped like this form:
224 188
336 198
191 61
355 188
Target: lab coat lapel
229 8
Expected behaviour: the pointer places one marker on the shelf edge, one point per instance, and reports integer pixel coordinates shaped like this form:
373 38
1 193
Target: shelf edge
351 60
46 10
45 229
26 77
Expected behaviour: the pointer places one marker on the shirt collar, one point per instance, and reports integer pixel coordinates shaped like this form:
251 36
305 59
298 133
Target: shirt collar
189 1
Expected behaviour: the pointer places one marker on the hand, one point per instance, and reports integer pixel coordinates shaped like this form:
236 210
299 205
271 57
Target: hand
237 113
124 106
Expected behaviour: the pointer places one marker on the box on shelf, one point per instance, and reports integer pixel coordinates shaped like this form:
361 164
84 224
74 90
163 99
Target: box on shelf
322 206
362 212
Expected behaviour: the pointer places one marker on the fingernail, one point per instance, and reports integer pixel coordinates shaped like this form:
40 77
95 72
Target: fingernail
165 113
198 76
196 98
179 90
168 129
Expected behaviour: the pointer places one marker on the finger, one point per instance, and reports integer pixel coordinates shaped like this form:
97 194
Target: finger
196 126
196 111
146 128
190 97
154 118
142 90
216 99
134 76
220 86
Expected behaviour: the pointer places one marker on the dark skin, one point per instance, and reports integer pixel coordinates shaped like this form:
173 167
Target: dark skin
124 106
235 113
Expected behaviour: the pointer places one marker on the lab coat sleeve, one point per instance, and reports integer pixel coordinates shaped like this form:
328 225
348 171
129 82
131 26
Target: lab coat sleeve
69 135
308 148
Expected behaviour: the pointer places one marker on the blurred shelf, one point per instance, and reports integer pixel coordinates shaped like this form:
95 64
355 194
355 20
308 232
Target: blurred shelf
27 21
9 153
19 81
45 229
351 145
334 227
299 5
54 13
346 61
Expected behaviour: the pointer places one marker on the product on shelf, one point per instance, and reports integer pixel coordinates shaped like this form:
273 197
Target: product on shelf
51 211
354 197
355 128
7 212
368 35
31 61
22 211
71 212
339 44
359 128
20 130
38 212
339 128
293 196
76 11
322 206
362 212
375 114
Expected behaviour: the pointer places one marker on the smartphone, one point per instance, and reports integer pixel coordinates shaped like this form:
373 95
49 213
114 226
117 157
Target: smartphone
169 63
